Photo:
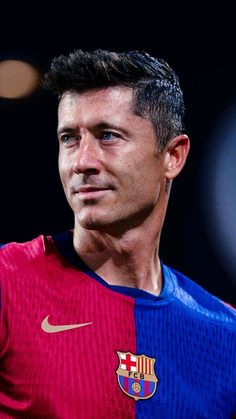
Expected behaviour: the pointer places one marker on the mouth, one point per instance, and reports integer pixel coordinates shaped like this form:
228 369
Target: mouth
91 192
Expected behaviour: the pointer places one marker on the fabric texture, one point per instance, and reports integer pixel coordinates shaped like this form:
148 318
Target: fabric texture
129 355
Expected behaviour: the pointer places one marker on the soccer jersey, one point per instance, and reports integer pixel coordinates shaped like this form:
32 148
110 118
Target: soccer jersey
72 346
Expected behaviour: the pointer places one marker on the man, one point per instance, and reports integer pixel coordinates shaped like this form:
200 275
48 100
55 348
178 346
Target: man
93 324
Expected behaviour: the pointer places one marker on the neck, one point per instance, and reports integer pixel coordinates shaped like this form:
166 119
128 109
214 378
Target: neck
130 259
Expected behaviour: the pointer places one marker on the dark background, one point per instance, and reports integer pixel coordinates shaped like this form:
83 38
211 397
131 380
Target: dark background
198 43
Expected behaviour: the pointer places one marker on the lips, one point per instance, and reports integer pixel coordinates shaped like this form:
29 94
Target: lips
91 192
85 189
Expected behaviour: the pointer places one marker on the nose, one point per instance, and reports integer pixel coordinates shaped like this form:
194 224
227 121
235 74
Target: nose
87 158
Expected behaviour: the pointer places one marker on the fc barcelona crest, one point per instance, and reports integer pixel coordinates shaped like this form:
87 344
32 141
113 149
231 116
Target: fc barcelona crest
136 375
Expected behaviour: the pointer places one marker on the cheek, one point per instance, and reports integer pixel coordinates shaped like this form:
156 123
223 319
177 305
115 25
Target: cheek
147 180
141 171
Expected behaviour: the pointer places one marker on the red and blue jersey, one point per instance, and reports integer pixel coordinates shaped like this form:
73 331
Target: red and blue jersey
72 346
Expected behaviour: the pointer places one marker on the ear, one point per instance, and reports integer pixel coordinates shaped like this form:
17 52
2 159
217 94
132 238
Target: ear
175 155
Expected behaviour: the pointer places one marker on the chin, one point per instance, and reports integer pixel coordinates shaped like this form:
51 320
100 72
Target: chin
94 222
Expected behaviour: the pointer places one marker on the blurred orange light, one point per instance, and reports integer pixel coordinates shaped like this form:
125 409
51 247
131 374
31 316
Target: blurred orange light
17 79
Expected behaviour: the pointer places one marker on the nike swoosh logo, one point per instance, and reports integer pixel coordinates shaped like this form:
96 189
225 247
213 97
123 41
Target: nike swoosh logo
49 328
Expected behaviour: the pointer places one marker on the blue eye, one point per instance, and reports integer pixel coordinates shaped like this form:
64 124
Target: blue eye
68 140
108 136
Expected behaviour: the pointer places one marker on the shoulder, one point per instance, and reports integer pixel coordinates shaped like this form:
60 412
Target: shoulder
201 302
16 257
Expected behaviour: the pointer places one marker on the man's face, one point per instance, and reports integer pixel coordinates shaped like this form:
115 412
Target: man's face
109 166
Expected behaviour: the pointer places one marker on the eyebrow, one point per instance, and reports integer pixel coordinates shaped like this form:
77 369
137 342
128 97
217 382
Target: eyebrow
101 125
66 129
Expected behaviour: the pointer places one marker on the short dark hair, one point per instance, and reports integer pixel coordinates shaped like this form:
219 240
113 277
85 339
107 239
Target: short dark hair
156 91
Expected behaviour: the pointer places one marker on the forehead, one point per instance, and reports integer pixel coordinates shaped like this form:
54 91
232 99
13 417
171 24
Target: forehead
101 103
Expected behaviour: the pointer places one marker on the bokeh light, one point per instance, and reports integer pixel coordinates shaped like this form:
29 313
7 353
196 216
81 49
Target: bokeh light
17 79
218 184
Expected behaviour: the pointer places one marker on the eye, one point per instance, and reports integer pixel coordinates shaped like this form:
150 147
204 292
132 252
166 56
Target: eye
68 140
108 136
